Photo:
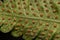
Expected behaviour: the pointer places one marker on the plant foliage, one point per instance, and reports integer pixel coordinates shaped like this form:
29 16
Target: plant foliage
39 19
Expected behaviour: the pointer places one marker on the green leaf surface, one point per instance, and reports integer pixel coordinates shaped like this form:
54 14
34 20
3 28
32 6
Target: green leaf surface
39 19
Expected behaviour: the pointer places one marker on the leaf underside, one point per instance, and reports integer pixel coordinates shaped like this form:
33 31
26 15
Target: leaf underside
39 19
